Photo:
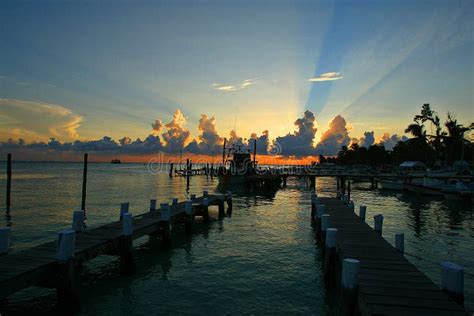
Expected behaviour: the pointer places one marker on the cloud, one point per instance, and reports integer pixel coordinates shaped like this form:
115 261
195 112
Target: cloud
334 138
327 76
263 142
209 140
38 120
367 140
300 143
233 87
390 141
176 135
157 126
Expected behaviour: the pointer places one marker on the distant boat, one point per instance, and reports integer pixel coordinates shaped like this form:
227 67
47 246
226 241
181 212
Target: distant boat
115 161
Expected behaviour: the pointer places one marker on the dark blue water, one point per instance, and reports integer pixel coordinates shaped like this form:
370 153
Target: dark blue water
262 259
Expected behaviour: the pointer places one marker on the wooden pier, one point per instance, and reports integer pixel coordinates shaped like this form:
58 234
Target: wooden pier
40 265
387 283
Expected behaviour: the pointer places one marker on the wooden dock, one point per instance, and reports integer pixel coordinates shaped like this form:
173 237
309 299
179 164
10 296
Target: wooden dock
388 284
39 266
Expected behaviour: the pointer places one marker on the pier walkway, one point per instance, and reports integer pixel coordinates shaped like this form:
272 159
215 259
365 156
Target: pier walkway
388 284
38 266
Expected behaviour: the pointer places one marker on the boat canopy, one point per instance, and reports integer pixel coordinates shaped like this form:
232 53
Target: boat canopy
412 165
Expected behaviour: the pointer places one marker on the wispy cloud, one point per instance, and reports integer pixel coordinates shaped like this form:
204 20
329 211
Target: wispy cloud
233 87
327 76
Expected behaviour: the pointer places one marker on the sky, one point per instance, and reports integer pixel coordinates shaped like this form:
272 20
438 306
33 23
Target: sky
310 75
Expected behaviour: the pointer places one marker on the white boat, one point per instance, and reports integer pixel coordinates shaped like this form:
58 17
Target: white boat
391 185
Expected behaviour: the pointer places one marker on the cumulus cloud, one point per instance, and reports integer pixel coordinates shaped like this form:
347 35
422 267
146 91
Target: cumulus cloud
327 76
209 139
367 140
300 143
176 135
38 120
262 142
334 138
389 141
233 87
157 126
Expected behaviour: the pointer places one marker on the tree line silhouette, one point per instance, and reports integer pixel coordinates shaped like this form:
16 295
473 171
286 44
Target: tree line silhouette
446 145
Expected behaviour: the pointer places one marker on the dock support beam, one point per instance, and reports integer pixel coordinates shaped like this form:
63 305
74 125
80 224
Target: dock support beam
126 245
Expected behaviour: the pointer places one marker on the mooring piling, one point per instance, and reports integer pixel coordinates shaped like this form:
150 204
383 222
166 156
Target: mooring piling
221 198
188 209
84 183
124 209
65 280
171 170
152 205
229 200
126 244
362 211
5 240
174 201
351 205
378 222
349 284
330 258
205 209
400 242
325 224
78 221
193 197
9 182
205 193
452 281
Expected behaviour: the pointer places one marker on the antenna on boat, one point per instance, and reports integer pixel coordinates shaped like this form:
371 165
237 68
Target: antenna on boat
223 151
254 150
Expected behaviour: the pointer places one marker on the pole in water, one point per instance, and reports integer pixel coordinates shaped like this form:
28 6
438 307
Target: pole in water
9 181
152 205
171 170
84 184
378 222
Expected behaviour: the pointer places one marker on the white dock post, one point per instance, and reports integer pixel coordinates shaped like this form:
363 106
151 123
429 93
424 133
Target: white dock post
66 285
330 258
124 208
378 223
65 245
349 285
127 224
188 209
400 242
5 240
126 244
362 211
78 221
152 205
452 280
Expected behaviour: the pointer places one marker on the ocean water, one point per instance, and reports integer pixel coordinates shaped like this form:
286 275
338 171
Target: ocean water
261 259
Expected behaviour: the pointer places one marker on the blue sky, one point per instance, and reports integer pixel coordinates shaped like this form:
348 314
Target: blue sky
112 68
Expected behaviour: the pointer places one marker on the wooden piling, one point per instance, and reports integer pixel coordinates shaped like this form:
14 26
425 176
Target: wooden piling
400 242
152 205
124 207
325 224
205 209
126 245
65 274
188 209
330 258
84 184
78 221
362 211
349 285
221 206
452 281
5 240
9 182
171 170
229 200
378 223
348 190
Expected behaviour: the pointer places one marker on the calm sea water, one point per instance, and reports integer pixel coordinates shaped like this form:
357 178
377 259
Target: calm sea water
262 259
